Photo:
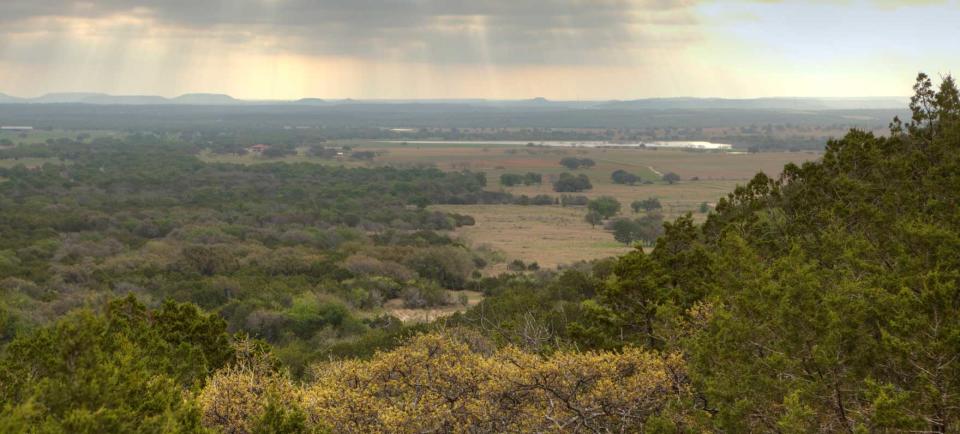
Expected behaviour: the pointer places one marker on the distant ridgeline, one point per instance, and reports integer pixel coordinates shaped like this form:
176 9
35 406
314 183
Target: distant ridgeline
765 123
827 300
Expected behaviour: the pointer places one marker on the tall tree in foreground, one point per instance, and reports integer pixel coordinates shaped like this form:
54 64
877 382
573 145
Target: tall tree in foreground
127 370
827 300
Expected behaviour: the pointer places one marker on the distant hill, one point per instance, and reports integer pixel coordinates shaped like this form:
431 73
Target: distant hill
87 98
125 100
205 99
310 101
106 99
65 97
7 99
212 99
759 103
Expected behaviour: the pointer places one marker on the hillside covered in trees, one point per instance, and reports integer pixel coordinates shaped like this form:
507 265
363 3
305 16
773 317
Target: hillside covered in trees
192 297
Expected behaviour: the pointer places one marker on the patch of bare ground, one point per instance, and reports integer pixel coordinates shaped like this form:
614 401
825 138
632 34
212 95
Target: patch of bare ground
547 235
396 308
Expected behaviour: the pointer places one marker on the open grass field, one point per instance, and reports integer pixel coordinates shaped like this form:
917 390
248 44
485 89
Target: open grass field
554 235
715 173
547 235
497 158
647 163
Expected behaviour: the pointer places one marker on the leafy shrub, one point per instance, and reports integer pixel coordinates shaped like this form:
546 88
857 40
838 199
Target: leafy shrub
449 266
624 177
570 183
423 295
606 206
361 265
468 381
574 163
251 395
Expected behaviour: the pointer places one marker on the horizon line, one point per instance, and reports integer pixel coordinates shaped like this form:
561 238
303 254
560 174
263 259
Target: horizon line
84 94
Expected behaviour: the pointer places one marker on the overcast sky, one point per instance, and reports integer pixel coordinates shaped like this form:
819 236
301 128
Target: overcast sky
559 49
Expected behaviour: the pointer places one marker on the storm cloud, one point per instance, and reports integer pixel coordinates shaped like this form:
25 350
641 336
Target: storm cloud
436 31
608 49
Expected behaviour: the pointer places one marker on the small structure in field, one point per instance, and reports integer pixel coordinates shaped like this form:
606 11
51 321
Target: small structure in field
16 128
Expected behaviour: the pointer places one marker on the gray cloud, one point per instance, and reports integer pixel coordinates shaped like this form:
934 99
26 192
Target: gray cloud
436 31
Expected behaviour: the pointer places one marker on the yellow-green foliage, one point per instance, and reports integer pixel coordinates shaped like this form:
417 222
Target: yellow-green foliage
447 383
236 397
441 383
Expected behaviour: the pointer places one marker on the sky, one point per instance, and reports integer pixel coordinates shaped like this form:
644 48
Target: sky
494 49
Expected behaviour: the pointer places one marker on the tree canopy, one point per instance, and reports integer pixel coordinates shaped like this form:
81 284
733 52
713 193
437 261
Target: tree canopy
606 206
568 183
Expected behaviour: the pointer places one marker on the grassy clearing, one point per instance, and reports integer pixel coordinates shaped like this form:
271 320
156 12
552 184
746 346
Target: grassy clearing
643 162
395 308
677 199
547 235
553 235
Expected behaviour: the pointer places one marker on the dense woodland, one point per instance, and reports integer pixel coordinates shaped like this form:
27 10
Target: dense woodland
145 291
279 251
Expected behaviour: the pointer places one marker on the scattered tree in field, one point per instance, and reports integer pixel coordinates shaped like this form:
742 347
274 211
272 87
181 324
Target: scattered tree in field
624 177
648 205
574 163
606 206
671 178
568 183
531 178
623 230
645 229
704 208
542 199
513 179
572 200
594 218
